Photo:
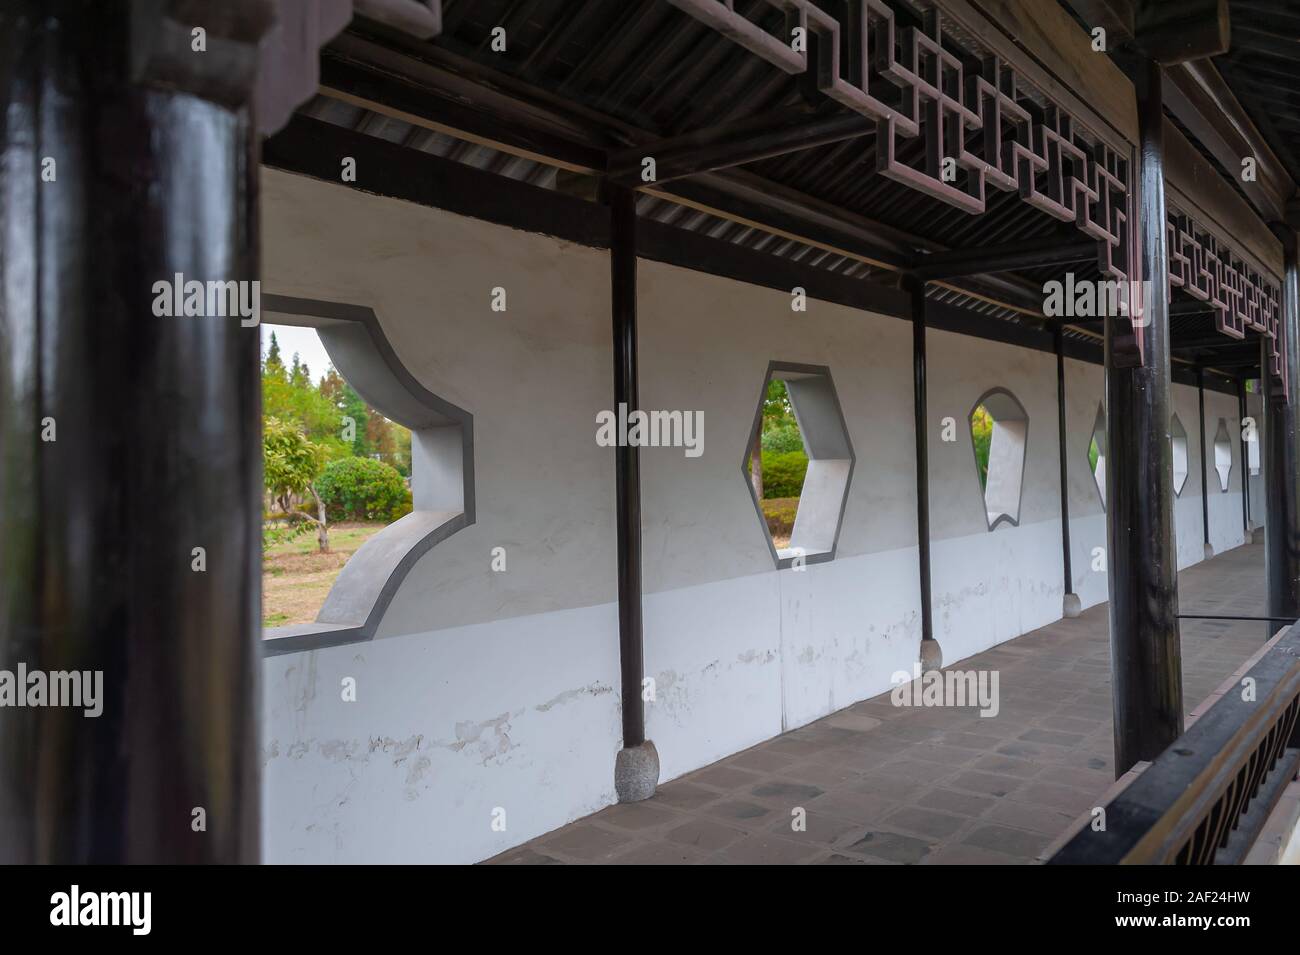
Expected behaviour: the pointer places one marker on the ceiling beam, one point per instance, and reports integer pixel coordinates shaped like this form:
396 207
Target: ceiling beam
1197 188
1199 98
1114 16
1227 363
733 144
1004 258
1170 32
1221 343
468 101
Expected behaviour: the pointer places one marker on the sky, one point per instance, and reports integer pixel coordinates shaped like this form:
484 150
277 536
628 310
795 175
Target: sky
304 341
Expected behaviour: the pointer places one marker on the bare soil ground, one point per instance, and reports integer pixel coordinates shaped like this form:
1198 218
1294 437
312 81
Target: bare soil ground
296 576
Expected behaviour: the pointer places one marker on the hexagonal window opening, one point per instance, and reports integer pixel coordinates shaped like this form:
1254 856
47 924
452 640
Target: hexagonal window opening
798 463
1223 454
1178 443
1097 454
999 429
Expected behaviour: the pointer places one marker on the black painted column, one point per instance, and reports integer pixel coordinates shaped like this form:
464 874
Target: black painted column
1281 458
1070 605
627 466
1245 460
931 655
127 441
1145 653
1205 464
636 770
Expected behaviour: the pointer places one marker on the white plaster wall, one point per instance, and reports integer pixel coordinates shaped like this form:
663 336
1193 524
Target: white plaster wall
1225 517
486 691
1084 392
519 715
1226 528
513 701
738 651
990 586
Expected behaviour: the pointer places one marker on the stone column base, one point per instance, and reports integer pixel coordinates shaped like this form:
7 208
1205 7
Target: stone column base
1071 606
931 655
636 772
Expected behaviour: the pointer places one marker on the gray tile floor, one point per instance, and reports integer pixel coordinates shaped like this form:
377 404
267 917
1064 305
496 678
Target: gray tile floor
882 784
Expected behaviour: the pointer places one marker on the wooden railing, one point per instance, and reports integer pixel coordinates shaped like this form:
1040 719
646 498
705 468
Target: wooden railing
1205 799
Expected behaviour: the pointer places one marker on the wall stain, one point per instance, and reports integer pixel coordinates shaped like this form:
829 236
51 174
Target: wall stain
490 738
336 749
398 749
591 689
419 767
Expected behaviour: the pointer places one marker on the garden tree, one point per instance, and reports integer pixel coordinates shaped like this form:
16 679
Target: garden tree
376 434
777 410
273 353
331 385
380 436
349 404
290 465
354 406
289 395
403 456
299 374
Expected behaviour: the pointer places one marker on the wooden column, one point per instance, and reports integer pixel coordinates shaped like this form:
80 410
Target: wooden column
1070 600
130 449
627 460
1245 460
1281 458
1143 576
636 767
1205 464
931 656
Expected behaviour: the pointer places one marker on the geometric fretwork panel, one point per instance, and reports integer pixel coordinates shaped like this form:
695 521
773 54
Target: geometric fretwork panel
977 129
1242 300
977 123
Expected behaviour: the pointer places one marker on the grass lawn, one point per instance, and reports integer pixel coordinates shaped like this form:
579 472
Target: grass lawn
296 576
780 512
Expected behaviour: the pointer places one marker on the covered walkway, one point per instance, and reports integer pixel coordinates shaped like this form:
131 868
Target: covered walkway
884 784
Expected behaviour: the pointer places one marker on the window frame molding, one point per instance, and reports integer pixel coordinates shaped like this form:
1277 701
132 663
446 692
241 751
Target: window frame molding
1187 454
1024 462
317 314
1225 479
823 371
1100 424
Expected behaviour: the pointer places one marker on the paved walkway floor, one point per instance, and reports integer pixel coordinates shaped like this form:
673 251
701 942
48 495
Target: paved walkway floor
883 784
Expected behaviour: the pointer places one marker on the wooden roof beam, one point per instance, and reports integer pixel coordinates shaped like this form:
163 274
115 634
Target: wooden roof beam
1172 33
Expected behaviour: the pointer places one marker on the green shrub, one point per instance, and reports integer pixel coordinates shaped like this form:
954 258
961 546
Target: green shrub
783 474
981 436
363 489
782 439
